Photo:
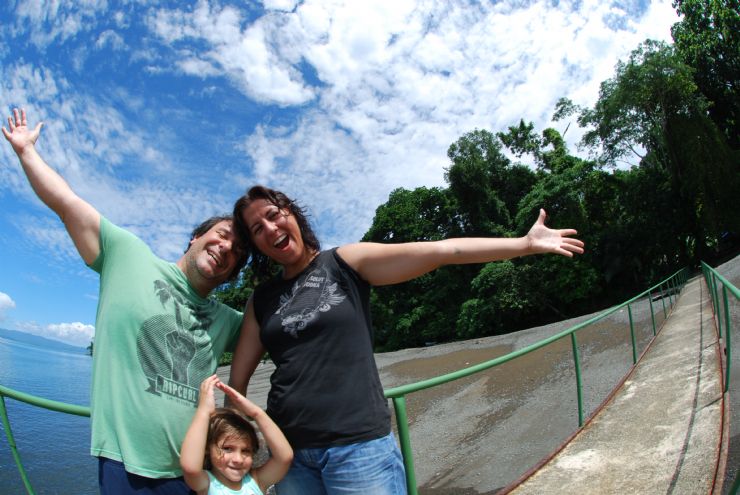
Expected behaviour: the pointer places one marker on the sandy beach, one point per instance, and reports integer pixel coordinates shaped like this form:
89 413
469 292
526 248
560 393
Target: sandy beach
478 434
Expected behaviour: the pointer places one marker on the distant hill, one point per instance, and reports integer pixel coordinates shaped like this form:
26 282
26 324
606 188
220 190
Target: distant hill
27 338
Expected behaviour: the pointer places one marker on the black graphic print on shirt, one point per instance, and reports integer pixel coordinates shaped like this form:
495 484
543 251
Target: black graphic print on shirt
313 293
173 347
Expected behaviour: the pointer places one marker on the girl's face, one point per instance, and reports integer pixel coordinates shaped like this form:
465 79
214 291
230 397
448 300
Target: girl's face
275 233
231 459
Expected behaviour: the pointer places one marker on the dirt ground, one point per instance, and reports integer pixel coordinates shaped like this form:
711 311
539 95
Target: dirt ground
478 434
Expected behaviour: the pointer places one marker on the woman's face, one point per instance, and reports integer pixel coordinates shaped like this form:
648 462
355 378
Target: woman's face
274 232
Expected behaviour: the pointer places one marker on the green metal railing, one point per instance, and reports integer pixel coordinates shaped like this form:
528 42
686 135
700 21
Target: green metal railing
721 310
668 288
51 405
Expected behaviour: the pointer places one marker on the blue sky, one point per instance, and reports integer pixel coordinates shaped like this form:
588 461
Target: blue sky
161 114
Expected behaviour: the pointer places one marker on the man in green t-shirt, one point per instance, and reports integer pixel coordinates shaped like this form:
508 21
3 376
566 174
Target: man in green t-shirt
157 334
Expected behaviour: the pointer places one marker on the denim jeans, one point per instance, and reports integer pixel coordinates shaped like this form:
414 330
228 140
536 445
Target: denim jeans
368 468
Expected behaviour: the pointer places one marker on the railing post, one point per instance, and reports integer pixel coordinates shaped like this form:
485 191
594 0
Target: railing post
402 421
632 335
13 448
652 313
728 347
579 386
662 300
715 299
709 279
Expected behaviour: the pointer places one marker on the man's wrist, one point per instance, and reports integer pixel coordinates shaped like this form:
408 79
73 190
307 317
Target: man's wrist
27 151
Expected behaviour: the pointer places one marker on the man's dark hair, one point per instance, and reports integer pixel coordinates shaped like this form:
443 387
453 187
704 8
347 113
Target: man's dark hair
242 254
262 265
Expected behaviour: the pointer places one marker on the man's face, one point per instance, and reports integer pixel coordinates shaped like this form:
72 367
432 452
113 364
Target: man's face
214 255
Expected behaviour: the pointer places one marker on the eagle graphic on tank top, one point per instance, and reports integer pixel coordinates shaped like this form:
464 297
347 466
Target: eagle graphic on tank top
312 293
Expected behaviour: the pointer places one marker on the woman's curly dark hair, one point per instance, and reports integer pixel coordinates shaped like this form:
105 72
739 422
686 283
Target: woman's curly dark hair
263 266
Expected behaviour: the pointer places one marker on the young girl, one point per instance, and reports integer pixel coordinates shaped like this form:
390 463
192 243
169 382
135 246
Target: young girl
218 451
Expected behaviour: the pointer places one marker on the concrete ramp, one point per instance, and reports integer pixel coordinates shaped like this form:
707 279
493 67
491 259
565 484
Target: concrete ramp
661 432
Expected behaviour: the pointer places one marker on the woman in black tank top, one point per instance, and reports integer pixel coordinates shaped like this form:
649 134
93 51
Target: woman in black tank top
313 318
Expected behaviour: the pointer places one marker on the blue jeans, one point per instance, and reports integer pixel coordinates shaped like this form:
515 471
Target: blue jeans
113 479
368 468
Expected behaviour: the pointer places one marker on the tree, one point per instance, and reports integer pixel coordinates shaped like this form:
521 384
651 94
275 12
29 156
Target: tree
487 195
424 309
563 190
549 151
645 242
708 39
424 214
521 140
484 183
652 108
502 301
236 293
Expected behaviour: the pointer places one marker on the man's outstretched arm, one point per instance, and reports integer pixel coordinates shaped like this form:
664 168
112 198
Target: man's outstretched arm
81 220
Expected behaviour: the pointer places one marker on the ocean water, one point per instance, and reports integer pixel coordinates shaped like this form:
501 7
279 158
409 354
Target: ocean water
54 447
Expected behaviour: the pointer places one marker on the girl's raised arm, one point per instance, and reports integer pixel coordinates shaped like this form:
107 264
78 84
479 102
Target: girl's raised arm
193 448
281 454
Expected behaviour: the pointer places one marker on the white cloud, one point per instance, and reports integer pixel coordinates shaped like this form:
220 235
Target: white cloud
6 303
284 5
75 333
49 233
245 56
54 21
121 19
198 67
398 82
110 38
416 77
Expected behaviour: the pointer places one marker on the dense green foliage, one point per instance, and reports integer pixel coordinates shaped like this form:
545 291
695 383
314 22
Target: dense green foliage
671 111
653 103
708 40
237 292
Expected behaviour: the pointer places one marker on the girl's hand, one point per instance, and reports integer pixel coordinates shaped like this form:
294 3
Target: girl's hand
239 401
207 398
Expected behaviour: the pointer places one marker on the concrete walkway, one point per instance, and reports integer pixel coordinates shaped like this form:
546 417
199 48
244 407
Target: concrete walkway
661 432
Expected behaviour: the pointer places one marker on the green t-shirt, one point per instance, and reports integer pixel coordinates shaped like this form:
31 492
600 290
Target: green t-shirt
156 340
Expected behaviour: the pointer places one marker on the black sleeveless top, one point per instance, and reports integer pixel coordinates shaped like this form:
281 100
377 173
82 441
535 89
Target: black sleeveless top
325 390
